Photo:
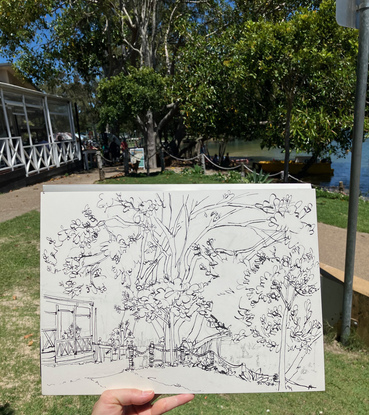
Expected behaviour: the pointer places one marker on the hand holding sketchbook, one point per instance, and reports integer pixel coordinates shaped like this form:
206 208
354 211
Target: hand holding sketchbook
180 289
134 401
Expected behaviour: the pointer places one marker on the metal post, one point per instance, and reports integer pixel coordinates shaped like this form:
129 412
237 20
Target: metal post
126 161
99 165
162 161
203 164
360 99
79 141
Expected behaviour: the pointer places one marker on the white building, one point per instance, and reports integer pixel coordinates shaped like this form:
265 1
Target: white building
36 133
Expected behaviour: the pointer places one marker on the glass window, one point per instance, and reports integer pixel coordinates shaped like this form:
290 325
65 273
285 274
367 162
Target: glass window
60 122
3 130
17 122
37 125
34 101
11 96
58 107
61 126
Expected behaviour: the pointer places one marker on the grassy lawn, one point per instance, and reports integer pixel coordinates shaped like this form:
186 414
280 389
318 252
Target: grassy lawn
333 210
347 372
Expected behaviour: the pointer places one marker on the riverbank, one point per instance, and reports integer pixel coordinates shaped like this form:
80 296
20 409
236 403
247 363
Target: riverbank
341 165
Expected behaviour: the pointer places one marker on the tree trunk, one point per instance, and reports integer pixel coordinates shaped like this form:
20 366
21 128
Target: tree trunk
171 339
282 352
307 165
150 142
222 149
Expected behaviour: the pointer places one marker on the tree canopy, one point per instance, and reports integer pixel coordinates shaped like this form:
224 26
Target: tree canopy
304 71
108 38
281 71
289 80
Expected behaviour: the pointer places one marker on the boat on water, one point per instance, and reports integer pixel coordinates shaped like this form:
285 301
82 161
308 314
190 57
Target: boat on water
296 166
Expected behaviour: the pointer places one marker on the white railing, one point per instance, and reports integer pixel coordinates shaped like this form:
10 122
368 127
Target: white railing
38 157
66 151
11 153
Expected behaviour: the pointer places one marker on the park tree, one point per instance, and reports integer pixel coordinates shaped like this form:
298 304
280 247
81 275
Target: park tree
285 74
140 95
272 11
304 72
108 38
212 103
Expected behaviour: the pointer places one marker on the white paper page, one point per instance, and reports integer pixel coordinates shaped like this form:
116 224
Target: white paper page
168 187
204 289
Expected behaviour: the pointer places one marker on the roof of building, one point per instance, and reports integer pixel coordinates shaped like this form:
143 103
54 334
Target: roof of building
9 76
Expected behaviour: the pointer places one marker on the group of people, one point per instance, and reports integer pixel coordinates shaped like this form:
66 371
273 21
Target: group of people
116 150
225 162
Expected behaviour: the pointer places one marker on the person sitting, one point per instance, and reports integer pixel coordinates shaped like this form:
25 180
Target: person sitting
114 151
226 161
216 159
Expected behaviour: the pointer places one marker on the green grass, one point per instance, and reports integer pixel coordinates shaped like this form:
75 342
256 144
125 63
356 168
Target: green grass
346 393
333 210
168 177
347 372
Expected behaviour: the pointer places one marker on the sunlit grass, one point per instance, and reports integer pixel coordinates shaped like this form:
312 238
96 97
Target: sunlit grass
332 210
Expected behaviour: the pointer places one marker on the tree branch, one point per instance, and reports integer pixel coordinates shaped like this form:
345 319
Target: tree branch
166 37
172 110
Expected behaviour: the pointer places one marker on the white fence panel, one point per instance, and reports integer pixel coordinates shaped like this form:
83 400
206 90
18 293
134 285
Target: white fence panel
66 151
38 157
11 153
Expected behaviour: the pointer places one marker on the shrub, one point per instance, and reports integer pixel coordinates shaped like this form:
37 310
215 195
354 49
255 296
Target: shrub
254 177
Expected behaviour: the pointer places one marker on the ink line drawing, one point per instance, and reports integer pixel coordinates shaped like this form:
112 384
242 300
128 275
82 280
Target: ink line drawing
169 285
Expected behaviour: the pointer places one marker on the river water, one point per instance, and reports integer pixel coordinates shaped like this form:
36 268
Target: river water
341 166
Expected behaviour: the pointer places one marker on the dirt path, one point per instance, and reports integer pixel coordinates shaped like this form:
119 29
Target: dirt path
18 202
332 249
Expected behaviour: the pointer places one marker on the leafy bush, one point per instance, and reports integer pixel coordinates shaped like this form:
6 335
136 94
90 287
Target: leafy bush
254 177
236 177
229 177
168 172
330 195
196 170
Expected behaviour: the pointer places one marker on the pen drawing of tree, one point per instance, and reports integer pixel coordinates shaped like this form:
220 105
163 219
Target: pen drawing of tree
203 270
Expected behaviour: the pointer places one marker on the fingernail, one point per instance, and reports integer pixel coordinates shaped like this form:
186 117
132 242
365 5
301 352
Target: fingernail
146 394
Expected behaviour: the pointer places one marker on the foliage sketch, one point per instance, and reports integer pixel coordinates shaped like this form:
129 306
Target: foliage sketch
225 282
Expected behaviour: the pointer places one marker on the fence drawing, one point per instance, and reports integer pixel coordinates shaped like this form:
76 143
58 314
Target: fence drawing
67 335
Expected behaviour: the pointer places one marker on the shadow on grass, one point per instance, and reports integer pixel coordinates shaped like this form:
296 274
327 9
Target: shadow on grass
6 409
